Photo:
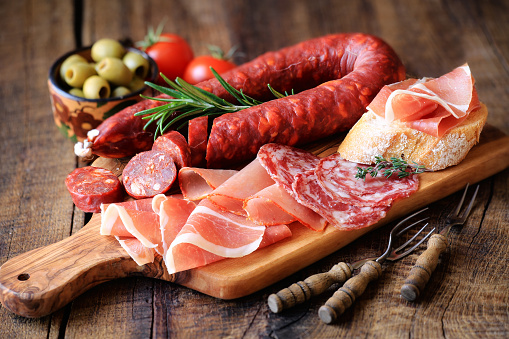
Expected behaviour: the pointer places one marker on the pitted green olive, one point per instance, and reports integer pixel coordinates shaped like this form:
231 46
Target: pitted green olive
115 71
120 91
137 64
96 87
107 48
136 84
77 73
75 58
77 92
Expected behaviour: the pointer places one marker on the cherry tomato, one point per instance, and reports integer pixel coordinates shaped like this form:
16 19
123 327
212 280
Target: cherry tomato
172 54
198 69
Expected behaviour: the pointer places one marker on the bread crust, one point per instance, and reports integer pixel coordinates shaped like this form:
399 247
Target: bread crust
371 136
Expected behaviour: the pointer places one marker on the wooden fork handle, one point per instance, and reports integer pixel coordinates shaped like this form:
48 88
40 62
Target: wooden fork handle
351 290
424 266
303 290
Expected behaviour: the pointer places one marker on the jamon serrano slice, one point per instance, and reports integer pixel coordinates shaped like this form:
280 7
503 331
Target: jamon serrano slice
430 105
230 195
212 234
337 177
196 183
173 215
140 254
273 206
344 216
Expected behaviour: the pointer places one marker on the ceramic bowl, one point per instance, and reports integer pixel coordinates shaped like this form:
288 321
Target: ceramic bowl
75 116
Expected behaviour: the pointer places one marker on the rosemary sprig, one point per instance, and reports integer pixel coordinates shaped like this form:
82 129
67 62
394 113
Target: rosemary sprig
395 166
188 102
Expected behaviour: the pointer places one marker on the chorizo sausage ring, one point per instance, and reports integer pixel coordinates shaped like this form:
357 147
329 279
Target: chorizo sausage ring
335 78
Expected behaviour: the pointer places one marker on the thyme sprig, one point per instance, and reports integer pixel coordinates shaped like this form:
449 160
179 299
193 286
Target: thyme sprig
188 102
395 165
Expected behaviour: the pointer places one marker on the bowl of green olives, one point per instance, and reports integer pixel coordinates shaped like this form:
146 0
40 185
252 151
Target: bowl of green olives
90 84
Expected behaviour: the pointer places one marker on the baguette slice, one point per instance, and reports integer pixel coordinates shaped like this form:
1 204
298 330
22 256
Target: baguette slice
372 136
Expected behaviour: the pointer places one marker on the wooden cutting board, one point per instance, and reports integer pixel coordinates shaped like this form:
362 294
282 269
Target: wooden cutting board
43 280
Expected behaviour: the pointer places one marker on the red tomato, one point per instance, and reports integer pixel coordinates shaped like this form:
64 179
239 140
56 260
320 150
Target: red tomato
172 54
198 69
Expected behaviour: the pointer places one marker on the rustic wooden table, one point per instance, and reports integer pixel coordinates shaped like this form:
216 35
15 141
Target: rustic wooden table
468 295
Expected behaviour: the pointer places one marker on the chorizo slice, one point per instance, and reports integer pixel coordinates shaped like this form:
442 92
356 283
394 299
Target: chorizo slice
92 186
149 173
176 146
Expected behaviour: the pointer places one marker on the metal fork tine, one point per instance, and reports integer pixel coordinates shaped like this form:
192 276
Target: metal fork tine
418 243
465 214
456 211
406 219
410 226
415 235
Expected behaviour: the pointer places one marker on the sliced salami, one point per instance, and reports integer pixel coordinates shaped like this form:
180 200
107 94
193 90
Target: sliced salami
337 177
176 146
148 174
283 163
92 186
343 216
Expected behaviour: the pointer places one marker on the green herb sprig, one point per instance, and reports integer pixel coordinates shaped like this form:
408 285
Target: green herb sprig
188 102
389 167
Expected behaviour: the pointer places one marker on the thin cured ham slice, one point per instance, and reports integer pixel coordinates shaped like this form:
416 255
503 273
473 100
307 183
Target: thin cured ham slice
143 225
429 105
211 234
230 196
337 177
343 216
140 254
273 206
196 183
173 215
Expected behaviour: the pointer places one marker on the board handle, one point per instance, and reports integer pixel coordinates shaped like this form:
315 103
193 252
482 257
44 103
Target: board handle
351 290
424 266
41 281
303 290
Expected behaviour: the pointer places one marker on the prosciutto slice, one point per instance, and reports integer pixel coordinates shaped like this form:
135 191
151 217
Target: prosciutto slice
430 105
140 254
196 183
173 215
230 196
273 205
337 177
211 234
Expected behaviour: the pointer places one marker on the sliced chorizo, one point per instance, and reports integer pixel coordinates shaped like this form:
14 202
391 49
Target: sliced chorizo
176 146
149 173
92 186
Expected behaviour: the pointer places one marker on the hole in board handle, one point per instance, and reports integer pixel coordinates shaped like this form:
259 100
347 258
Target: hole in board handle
23 276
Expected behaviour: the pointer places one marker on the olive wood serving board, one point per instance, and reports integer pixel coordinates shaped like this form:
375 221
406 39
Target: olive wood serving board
43 280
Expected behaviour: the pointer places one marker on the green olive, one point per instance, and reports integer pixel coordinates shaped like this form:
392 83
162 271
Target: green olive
137 64
107 48
69 61
120 91
96 87
115 71
77 73
136 84
77 92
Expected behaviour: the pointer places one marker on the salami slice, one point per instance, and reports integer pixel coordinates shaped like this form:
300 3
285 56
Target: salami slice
337 177
283 163
343 216
92 186
176 146
148 174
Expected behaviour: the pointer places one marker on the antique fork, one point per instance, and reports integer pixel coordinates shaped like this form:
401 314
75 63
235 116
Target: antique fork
316 284
428 260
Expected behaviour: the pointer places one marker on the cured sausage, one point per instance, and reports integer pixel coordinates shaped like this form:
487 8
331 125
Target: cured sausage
348 70
148 174
197 137
92 186
176 146
344 72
